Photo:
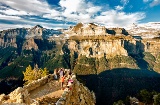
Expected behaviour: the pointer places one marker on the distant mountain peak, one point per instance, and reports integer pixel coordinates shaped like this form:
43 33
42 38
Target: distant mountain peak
38 26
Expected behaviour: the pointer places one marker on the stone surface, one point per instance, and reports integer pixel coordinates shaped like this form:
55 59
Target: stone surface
78 94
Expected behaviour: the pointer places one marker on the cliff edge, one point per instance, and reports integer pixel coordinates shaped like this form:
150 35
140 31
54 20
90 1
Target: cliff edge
47 91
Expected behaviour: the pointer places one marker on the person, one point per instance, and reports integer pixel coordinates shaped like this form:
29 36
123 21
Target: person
70 82
55 74
61 72
62 81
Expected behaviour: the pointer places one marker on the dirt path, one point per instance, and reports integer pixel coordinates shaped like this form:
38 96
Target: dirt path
49 90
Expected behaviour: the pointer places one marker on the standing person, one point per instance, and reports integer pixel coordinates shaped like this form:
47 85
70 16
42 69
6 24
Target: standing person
61 72
62 81
55 73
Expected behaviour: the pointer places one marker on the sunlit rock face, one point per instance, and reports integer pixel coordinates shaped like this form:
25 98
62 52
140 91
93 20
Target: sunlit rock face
30 44
99 48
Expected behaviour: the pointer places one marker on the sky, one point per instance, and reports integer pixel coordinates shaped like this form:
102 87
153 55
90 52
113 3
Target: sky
57 14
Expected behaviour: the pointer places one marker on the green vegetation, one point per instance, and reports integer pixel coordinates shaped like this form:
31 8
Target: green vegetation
122 62
12 63
73 60
120 102
145 97
157 99
56 62
148 57
85 66
102 64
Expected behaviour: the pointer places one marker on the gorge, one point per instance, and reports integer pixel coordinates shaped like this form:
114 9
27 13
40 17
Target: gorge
110 61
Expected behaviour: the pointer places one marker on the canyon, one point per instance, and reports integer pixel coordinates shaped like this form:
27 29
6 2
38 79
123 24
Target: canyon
100 57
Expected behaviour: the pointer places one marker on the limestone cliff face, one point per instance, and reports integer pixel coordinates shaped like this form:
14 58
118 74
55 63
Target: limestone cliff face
9 37
111 48
15 37
92 29
117 53
8 42
30 44
98 48
152 46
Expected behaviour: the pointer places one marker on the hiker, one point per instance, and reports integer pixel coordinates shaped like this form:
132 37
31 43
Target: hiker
55 73
70 82
61 72
62 81
68 74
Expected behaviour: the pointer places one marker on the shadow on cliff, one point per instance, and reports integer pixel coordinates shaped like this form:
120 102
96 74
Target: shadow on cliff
7 85
136 51
116 84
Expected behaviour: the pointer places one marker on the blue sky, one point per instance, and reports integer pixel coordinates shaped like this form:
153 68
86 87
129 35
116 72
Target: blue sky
64 13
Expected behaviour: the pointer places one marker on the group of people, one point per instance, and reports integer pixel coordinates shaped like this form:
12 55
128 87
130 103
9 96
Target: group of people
64 76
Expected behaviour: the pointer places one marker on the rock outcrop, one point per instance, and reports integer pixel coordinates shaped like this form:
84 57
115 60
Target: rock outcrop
9 37
30 44
14 37
21 95
75 93
92 29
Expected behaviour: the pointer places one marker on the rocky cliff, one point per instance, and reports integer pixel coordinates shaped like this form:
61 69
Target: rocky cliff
92 55
32 94
14 37
98 48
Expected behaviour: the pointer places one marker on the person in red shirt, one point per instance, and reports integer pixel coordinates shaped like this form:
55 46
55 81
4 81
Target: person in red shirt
62 81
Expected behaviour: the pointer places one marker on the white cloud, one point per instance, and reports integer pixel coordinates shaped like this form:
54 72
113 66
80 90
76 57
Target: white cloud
9 26
78 10
80 13
13 12
119 7
69 11
5 17
124 2
45 25
118 19
145 1
52 15
93 10
155 3
34 7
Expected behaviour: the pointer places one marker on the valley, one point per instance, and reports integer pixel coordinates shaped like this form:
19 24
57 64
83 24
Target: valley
110 61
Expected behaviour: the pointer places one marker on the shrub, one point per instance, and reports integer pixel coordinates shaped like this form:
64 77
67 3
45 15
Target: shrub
30 75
